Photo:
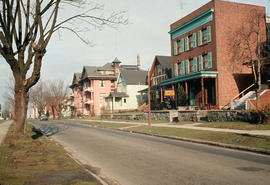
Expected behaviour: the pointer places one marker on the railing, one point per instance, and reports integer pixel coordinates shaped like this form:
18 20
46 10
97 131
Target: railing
241 93
88 89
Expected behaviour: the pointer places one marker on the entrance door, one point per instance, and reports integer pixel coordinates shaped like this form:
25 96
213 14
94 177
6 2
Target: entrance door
192 99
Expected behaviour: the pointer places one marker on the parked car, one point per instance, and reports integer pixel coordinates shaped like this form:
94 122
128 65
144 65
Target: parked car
43 117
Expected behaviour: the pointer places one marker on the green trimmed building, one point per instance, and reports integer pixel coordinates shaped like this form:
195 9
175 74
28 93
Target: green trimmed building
202 60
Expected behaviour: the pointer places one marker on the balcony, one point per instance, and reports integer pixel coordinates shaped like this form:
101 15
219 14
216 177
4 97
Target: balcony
88 89
88 102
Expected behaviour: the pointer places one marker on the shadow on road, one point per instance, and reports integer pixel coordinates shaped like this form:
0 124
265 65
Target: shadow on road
48 129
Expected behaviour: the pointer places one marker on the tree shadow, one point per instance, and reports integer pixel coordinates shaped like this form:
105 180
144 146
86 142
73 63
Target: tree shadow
38 133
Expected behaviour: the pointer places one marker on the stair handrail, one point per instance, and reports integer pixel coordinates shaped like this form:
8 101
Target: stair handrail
242 92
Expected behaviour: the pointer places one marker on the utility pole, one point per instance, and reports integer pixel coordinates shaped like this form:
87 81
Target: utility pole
149 99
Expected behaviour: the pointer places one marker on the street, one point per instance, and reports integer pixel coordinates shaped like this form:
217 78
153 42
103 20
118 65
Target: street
135 159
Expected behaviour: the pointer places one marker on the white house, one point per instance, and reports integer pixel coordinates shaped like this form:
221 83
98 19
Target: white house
126 97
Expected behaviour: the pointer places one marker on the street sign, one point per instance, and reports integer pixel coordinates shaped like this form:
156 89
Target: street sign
169 92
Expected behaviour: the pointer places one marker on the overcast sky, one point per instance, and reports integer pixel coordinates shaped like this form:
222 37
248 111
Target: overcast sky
146 35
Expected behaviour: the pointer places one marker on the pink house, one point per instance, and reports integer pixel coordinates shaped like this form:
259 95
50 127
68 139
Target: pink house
92 86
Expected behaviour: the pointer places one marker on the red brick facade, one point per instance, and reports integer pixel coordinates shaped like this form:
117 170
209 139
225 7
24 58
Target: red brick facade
232 77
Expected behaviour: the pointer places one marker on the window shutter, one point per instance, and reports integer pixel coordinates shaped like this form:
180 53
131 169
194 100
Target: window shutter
186 44
182 46
199 38
187 66
195 64
175 70
210 60
200 63
208 34
175 48
194 40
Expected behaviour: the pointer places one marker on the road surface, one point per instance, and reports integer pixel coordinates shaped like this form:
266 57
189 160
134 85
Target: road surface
135 159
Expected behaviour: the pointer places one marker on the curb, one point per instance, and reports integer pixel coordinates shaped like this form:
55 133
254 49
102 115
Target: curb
211 143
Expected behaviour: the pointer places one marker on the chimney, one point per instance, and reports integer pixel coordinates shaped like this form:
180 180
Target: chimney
138 62
116 65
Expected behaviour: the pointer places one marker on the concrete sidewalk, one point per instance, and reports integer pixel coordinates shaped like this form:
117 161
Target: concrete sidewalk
193 126
3 130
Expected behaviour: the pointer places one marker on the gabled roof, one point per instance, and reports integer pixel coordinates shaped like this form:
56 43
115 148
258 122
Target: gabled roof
134 77
76 79
93 71
164 61
106 67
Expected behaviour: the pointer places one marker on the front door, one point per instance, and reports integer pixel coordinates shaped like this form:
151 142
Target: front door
192 99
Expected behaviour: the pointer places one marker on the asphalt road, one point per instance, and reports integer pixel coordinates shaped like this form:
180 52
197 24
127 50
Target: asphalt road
135 159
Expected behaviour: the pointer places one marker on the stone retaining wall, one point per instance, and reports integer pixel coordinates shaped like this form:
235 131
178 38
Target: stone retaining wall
155 115
187 115
231 115
190 115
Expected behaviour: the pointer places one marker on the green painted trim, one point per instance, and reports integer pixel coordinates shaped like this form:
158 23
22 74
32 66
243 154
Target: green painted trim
189 77
200 20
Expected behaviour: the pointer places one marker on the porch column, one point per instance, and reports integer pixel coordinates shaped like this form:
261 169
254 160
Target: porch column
186 85
174 92
216 95
161 94
176 98
202 85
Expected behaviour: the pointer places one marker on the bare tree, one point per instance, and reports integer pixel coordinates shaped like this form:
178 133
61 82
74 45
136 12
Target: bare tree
27 26
57 93
249 47
39 97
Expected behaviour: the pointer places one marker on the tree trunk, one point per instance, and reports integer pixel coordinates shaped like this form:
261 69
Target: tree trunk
21 102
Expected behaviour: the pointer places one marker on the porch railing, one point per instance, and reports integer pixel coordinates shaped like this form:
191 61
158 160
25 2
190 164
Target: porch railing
237 96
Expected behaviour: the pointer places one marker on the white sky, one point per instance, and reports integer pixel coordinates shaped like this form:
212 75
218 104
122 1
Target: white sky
146 35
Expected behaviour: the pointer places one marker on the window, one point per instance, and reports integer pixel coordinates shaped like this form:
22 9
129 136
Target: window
206 35
175 48
186 44
187 66
112 83
175 70
125 100
207 60
181 46
200 61
193 64
102 83
182 68
192 41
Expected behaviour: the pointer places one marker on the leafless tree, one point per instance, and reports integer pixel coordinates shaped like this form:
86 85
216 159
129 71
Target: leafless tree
57 91
39 97
249 47
27 26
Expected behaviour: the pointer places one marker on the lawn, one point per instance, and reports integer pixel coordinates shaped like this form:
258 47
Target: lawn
26 160
2 121
98 124
221 137
237 125
139 121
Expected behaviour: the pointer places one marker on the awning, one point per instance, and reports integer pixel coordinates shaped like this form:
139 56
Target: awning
189 77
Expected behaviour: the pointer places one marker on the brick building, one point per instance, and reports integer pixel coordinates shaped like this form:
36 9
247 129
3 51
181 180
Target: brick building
202 53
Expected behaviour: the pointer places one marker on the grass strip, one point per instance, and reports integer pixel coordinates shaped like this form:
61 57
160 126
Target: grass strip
24 160
2 121
236 125
98 124
262 142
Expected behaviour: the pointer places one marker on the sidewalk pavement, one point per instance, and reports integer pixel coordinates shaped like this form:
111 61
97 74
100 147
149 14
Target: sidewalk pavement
3 130
194 126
